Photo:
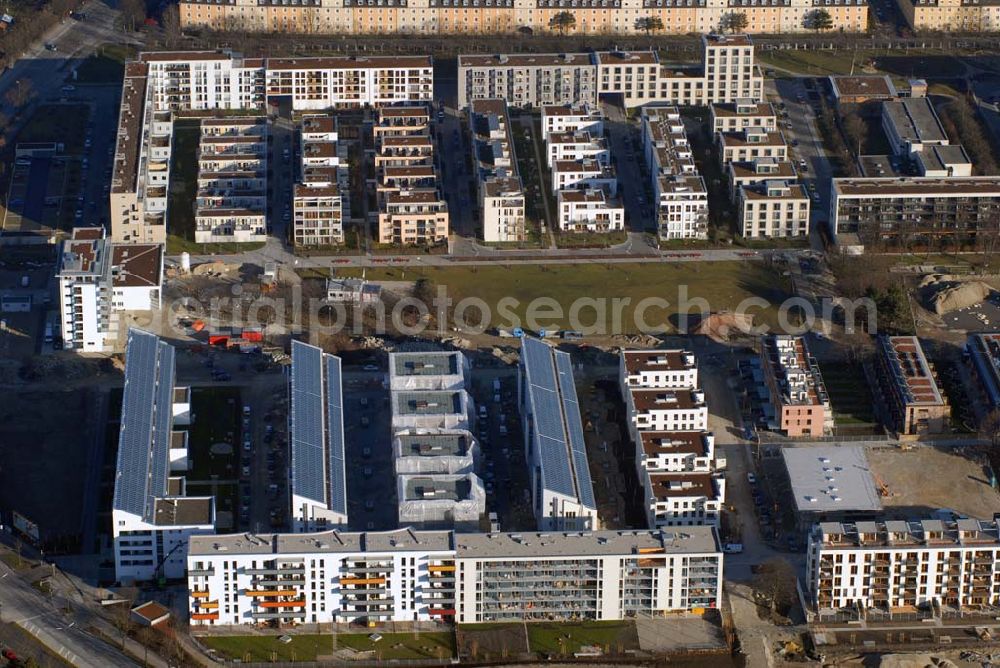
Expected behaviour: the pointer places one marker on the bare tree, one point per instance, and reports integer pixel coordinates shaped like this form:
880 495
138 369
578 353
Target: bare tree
171 22
989 427
133 13
775 583
22 93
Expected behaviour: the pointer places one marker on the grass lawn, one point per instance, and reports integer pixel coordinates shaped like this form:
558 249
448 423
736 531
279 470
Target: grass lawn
308 647
849 394
590 239
107 65
65 123
614 637
722 284
813 62
216 420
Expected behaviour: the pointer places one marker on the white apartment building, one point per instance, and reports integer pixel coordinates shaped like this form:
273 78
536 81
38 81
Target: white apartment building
572 118
528 80
584 174
501 194
675 452
162 82
727 73
740 114
578 145
100 283
679 192
667 369
666 410
227 209
888 565
589 211
683 499
317 476
152 520
773 209
562 494
758 171
749 144
407 575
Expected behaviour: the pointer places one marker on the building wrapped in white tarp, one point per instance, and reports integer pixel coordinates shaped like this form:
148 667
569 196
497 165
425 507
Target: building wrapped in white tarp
435 501
434 451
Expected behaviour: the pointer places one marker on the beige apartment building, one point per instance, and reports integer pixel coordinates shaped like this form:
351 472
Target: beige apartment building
434 17
951 15
795 385
501 195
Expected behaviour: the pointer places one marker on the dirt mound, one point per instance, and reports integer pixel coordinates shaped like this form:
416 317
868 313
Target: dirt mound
722 326
217 268
943 294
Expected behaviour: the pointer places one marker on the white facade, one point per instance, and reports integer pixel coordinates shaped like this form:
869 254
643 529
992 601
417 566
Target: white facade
408 575
528 80
667 410
892 564
584 174
683 499
580 145
675 452
575 118
668 369
735 116
152 520
679 192
501 193
773 209
751 144
589 211
99 282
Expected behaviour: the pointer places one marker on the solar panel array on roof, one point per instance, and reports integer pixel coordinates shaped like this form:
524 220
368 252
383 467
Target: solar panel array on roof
547 413
335 433
574 427
144 437
307 422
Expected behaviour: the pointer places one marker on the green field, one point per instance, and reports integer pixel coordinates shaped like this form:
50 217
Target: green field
723 285
307 647
566 639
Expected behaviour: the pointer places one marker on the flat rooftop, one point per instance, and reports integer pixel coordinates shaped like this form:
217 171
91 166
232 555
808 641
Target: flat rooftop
911 373
638 361
873 86
666 400
426 364
984 353
519 60
683 485
136 265
333 542
831 478
427 403
435 444
913 533
436 487
656 443
528 545
914 120
888 187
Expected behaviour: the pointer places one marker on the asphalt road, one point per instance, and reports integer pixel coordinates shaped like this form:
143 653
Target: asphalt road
74 40
45 620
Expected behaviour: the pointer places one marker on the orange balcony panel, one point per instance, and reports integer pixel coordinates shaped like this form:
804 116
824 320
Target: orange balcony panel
444 612
199 594
283 604
204 616
362 581
273 592
209 605
442 569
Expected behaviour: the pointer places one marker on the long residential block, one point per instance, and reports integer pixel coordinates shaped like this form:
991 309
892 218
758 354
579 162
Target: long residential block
909 387
407 575
895 565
